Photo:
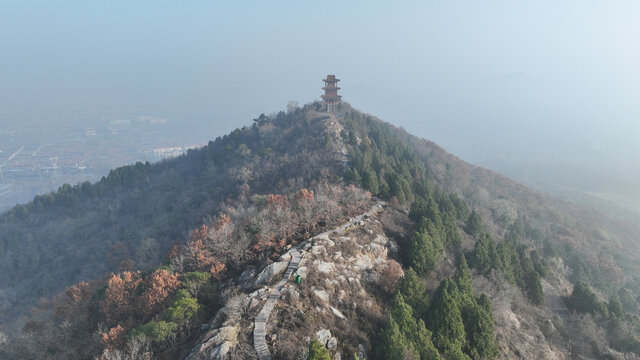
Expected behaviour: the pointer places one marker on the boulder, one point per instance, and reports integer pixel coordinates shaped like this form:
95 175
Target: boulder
326 267
381 239
337 313
221 351
321 294
323 336
270 272
302 271
317 249
361 353
247 274
378 250
332 344
224 334
547 328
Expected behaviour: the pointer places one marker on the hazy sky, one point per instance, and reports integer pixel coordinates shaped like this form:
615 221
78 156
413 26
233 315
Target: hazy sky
537 80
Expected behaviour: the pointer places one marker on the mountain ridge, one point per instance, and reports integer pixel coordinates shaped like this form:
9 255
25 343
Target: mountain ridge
293 164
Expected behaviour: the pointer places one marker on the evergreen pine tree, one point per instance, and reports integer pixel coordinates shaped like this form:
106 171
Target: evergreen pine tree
394 345
473 225
444 319
479 327
317 351
414 292
370 180
463 276
534 288
480 255
422 255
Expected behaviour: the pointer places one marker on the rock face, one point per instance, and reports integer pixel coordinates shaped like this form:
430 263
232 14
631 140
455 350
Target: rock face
334 267
326 267
217 344
270 272
337 313
332 344
321 294
323 336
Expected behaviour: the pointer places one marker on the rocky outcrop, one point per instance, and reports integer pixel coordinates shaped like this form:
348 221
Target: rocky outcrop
270 272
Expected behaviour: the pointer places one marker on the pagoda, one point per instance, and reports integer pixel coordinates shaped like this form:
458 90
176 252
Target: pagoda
331 97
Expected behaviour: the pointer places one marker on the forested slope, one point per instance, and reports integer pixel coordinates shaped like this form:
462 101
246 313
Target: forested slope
132 217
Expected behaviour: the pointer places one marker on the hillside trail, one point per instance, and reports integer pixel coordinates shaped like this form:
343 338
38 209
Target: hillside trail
260 322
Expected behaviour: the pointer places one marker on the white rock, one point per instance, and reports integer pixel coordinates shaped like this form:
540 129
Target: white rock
285 257
330 283
225 334
361 353
323 236
332 344
317 249
293 293
381 239
270 272
337 356
221 351
302 271
321 294
253 304
323 336
326 267
363 262
378 250
337 313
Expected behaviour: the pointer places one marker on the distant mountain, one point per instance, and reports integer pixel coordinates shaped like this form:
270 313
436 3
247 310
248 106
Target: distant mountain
185 258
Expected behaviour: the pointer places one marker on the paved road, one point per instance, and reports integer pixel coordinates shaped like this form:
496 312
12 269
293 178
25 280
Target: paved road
260 322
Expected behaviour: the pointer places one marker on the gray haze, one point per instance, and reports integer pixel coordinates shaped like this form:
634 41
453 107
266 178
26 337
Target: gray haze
545 91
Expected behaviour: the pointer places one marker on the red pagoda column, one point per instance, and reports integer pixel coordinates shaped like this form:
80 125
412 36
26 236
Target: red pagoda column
331 97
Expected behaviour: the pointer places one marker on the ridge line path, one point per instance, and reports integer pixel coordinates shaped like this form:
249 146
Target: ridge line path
260 322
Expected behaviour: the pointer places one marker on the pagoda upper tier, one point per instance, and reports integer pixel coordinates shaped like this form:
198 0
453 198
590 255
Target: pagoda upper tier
331 90
331 79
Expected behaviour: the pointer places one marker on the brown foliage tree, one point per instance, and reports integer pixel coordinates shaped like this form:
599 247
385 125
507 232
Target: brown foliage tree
119 300
222 221
157 289
391 276
217 268
198 256
277 200
75 298
114 338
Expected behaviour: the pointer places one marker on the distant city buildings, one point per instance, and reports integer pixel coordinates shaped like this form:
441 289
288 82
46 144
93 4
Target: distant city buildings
171 152
38 160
